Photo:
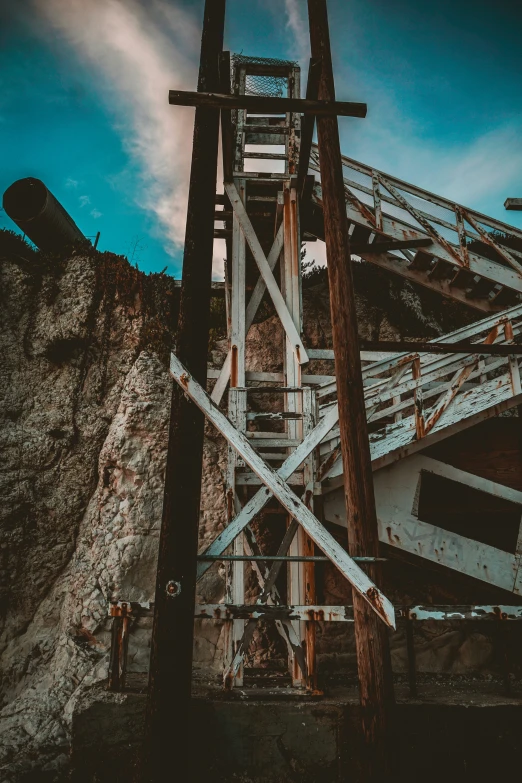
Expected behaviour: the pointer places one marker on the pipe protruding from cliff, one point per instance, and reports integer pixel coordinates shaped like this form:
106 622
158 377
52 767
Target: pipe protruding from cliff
34 209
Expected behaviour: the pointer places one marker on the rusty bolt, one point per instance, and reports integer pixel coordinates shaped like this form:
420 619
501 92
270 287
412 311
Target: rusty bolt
173 588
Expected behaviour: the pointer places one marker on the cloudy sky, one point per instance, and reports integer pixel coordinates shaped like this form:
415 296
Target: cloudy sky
84 84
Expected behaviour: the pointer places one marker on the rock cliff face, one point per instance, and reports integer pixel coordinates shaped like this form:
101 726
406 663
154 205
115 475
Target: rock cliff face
85 395
84 412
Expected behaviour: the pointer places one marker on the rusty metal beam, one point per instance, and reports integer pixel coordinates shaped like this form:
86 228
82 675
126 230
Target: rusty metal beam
411 346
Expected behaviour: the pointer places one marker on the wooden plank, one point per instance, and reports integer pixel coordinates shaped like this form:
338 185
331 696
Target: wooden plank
397 229
377 205
266 612
173 625
261 498
430 197
307 128
258 104
513 203
366 356
276 485
426 225
372 645
469 479
486 612
357 248
258 135
265 155
395 491
227 143
400 346
344 614
266 273
238 326
489 240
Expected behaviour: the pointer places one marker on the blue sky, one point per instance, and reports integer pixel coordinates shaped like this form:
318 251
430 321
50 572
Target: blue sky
83 101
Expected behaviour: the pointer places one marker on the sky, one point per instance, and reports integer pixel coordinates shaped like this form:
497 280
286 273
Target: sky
84 102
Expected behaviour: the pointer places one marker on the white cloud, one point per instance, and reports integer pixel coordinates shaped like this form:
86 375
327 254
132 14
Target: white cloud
95 213
71 183
296 23
137 52
84 201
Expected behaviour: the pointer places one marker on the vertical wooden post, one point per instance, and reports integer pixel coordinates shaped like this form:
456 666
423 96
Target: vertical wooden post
167 748
373 657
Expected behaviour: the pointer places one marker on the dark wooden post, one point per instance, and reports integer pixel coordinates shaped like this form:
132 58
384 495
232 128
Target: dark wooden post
373 656
167 748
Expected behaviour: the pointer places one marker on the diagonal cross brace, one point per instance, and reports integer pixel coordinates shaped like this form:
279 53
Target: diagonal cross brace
295 507
251 310
284 627
266 273
263 495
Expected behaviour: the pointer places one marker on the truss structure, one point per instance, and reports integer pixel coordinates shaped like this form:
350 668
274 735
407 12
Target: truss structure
282 426
430 240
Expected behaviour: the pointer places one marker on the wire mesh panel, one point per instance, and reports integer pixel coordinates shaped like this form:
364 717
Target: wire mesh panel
271 85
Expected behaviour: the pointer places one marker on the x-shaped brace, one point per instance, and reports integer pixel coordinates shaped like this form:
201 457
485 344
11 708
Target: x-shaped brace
278 487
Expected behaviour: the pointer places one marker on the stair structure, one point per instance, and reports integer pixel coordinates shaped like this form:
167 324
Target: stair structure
425 238
284 465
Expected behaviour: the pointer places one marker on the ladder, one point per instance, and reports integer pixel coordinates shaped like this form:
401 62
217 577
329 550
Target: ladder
265 211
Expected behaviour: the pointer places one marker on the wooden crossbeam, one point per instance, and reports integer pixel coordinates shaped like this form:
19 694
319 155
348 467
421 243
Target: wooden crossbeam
488 239
307 126
295 507
426 225
513 203
401 346
344 614
266 105
392 244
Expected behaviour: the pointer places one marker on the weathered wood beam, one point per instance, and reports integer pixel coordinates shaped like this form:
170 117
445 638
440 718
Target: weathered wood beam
308 124
344 614
513 203
373 655
411 346
227 135
170 672
261 104
378 602
385 247
251 310
488 239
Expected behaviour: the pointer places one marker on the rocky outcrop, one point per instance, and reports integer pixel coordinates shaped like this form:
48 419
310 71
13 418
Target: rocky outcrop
85 397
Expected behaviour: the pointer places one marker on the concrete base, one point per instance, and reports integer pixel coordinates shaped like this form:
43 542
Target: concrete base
457 731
